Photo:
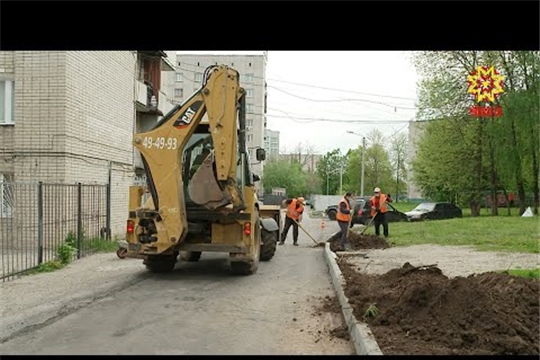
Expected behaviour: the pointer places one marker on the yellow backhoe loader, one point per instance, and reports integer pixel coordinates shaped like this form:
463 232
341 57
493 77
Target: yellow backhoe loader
202 193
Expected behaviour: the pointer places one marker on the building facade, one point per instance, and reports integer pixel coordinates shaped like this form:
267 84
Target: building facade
68 117
252 69
271 144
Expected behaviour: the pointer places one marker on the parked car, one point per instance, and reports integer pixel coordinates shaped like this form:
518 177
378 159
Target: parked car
362 213
434 211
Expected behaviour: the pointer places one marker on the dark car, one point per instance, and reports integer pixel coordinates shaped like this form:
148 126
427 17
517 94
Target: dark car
362 213
434 211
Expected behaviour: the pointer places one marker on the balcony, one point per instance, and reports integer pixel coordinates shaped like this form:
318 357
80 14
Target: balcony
145 104
164 104
147 100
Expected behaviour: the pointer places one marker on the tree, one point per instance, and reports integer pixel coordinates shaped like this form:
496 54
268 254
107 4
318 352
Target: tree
328 171
464 157
283 174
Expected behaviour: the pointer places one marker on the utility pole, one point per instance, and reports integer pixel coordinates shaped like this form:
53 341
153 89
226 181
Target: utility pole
397 178
341 179
363 161
327 179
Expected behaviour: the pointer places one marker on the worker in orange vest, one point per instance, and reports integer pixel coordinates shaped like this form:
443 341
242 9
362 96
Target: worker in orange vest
379 209
343 218
295 210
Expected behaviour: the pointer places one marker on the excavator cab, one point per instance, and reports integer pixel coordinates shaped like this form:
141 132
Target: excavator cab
202 189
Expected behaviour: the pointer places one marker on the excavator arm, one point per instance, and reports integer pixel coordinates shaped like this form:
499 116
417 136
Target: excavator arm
214 183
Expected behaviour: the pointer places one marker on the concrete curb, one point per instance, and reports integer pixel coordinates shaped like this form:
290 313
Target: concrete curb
363 340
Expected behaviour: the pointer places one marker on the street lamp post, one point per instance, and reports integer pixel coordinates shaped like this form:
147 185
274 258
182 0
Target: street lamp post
341 179
327 179
363 162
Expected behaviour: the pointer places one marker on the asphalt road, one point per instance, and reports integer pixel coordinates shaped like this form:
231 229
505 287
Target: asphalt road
201 309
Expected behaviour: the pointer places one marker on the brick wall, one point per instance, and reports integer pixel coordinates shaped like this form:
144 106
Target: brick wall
39 115
74 113
100 116
7 72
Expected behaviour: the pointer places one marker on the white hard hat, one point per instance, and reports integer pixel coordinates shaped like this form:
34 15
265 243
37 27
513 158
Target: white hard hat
377 189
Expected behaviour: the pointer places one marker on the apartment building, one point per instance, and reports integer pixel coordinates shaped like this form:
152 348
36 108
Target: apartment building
252 69
271 144
69 116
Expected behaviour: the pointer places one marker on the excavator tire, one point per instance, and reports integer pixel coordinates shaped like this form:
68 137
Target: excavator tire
161 264
191 256
249 267
268 248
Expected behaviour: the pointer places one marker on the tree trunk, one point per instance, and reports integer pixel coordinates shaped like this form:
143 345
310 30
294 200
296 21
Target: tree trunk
493 178
476 203
519 174
533 138
507 201
536 195
517 159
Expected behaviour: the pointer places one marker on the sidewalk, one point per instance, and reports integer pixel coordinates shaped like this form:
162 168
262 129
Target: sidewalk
34 300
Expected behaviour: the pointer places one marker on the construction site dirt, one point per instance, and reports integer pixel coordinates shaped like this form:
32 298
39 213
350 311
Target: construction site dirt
417 310
358 242
330 305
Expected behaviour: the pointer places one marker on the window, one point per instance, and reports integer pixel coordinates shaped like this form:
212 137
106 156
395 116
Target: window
179 77
248 77
249 138
178 92
198 76
6 195
249 123
249 93
7 101
249 108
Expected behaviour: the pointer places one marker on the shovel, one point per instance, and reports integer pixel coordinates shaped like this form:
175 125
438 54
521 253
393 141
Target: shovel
371 220
311 237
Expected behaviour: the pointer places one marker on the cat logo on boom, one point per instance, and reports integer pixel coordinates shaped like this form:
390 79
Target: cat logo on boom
185 119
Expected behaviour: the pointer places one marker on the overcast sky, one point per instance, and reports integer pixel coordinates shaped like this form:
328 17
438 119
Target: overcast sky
364 90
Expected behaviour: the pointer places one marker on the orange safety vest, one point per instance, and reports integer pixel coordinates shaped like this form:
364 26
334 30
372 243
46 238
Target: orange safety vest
382 204
292 212
341 216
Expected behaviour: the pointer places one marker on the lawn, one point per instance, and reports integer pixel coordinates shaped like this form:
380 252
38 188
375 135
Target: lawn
526 273
496 233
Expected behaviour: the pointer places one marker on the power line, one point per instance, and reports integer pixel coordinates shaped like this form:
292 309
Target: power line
343 90
340 100
347 121
328 100
293 115
312 86
316 100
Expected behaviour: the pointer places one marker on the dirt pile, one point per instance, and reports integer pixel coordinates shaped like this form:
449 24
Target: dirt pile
331 305
418 310
358 242
341 332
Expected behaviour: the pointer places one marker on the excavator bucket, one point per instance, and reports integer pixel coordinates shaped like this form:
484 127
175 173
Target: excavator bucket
204 189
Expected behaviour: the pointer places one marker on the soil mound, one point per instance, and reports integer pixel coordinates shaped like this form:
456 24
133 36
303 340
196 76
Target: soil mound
330 304
341 332
418 310
358 242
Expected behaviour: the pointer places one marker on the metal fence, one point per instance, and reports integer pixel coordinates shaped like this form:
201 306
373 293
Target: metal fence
38 220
